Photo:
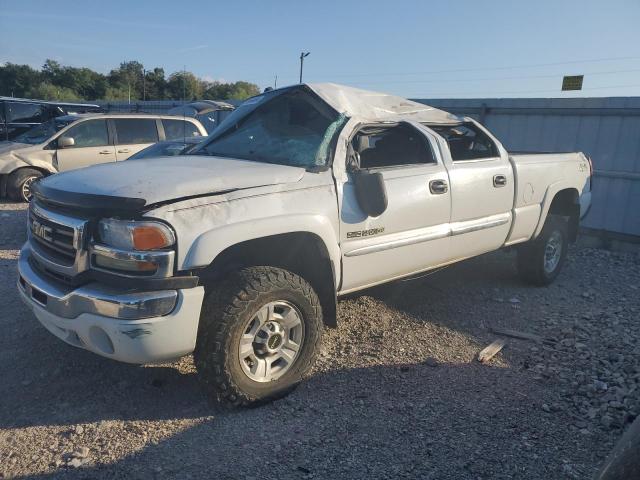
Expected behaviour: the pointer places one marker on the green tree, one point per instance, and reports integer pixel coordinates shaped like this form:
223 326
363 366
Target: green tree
88 84
228 91
184 86
59 82
116 93
18 80
128 76
47 91
155 84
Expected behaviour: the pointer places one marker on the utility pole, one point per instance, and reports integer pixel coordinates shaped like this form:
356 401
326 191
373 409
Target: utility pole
184 83
275 82
144 85
302 55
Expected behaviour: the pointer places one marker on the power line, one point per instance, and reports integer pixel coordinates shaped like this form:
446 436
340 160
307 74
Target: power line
460 70
510 67
527 91
518 77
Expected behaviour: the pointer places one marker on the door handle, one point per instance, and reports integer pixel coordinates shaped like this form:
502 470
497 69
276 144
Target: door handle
438 187
499 181
105 152
124 150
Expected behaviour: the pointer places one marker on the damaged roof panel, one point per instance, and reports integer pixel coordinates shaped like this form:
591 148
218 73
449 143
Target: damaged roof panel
377 106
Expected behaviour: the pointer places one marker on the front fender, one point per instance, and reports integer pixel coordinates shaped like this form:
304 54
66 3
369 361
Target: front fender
208 245
12 161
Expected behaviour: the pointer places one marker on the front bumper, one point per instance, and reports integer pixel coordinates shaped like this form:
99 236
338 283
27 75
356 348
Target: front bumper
129 326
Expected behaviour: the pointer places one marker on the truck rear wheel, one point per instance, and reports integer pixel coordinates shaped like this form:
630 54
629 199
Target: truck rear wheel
260 330
19 184
540 261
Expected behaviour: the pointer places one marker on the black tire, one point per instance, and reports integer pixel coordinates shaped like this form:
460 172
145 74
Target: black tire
227 308
531 256
17 181
623 462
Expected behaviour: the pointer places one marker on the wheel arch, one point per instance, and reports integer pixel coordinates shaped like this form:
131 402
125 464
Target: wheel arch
6 178
301 252
561 199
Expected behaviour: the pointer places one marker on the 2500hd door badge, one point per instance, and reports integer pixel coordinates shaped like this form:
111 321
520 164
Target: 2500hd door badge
365 233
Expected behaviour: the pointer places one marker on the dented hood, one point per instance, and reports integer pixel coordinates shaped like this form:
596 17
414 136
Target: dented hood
136 184
10 146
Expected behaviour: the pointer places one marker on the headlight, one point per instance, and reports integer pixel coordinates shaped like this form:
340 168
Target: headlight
135 235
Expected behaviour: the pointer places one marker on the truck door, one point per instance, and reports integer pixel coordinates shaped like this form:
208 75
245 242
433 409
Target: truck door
482 189
411 235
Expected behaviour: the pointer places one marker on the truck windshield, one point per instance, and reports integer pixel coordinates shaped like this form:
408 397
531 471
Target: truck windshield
290 127
42 132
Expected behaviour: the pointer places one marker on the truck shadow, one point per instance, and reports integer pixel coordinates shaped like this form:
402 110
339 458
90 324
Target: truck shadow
400 411
56 384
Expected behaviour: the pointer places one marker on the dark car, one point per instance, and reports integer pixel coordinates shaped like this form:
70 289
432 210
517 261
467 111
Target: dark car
168 148
17 115
210 113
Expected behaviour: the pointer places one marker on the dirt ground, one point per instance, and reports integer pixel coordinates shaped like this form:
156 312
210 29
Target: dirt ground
396 392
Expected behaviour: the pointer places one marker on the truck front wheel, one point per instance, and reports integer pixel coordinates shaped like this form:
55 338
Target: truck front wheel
540 261
260 330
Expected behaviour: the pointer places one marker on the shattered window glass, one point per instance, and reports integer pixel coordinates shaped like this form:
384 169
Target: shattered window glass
292 128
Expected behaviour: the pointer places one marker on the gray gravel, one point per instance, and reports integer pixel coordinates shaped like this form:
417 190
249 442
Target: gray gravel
396 392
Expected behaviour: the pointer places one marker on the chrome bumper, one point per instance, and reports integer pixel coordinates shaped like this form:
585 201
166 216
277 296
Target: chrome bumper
67 302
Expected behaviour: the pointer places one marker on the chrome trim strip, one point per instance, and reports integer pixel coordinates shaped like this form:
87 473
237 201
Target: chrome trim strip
430 233
77 224
162 258
65 302
468 226
434 233
79 227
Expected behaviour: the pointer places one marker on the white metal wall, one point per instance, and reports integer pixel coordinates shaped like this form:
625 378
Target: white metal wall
606 129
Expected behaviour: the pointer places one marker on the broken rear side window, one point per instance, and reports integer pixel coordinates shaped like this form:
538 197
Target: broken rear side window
288 129
399 145
467 142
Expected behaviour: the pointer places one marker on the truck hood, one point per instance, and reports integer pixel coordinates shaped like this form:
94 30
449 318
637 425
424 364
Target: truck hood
136 184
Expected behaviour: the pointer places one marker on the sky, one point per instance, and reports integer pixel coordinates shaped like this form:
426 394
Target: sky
416 49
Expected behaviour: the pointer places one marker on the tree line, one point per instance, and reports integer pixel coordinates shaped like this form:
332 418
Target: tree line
129 81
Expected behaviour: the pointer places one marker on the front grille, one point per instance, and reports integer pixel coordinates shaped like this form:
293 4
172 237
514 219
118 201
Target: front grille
57 240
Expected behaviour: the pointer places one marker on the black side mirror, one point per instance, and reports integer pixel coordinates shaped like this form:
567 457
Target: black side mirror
370 192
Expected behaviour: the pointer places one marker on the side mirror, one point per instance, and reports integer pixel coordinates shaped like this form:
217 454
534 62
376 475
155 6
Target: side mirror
370 192
66 142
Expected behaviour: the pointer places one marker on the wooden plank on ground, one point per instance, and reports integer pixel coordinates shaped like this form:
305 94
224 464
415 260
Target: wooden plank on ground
516 334
490 351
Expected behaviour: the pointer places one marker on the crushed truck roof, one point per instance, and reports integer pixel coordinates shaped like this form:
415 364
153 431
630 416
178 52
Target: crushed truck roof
376 106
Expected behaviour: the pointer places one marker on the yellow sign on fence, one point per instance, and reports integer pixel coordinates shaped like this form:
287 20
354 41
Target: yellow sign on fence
573 82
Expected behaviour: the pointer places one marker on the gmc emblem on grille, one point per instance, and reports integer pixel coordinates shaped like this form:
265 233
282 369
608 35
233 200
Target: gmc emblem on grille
42 231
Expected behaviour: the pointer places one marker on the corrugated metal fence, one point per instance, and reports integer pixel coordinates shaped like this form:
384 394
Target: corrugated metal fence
606 129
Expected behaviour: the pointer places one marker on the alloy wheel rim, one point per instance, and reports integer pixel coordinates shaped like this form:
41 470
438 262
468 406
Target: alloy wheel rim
26 188
552 252
271 341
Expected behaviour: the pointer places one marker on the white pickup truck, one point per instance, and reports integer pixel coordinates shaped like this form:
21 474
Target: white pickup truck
238 251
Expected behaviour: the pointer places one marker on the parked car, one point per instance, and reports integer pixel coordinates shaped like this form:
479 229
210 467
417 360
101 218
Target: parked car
238 251
74 141
168 148
17 115
208 112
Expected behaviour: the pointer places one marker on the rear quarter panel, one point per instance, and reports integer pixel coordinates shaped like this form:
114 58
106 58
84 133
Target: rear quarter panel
538 178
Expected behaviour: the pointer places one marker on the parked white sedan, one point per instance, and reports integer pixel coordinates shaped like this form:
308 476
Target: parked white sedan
75 141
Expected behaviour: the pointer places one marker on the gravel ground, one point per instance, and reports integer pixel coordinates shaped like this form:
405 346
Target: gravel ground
396 392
